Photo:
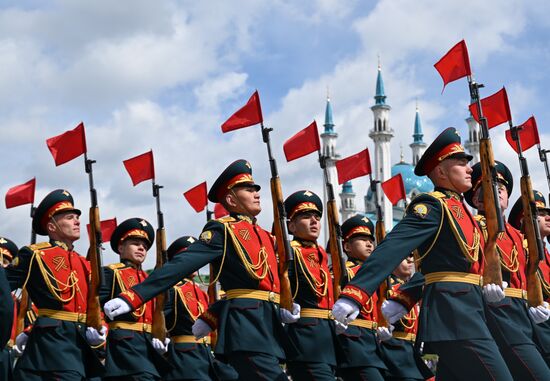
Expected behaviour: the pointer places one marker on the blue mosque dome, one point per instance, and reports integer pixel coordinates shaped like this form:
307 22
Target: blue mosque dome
413 183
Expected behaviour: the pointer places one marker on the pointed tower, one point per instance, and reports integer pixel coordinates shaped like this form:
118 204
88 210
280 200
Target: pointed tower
418 146
472 144
347 200
381 134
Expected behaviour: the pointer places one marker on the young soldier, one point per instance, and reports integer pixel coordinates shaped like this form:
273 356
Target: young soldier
509 319
361 358
132 354
56 278
8 251
250 333
450 246
312 290
542 329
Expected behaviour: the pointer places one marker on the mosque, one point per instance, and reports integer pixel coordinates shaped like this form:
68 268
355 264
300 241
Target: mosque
382 170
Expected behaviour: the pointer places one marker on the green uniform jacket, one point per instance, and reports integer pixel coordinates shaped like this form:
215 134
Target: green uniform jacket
6 309
449 310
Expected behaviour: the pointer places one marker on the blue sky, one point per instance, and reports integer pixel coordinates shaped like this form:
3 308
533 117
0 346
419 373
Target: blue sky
165 75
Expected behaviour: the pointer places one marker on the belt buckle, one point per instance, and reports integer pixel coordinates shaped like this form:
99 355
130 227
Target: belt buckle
81 318
524 294
374 325
271 297
481 280
330 315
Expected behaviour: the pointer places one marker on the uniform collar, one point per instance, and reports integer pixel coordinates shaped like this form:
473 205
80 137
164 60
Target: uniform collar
355 261
450 193
242 217
131 264
305 243
61 244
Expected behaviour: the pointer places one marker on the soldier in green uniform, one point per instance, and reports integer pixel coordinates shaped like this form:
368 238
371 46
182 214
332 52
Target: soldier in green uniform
132 353
56 278
6 309
8 251
250 333
542 329
508 319
312 290
450 255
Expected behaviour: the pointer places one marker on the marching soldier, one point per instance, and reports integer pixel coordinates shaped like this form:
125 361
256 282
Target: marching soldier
509 319
56 278
542 329
132 353
452 320
6 309
8 251
250 334
362 358
312 290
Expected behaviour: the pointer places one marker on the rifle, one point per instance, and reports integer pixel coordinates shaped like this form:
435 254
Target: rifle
530 227
544 158
335 232
492 272
285 253
159 323
93 309
212 289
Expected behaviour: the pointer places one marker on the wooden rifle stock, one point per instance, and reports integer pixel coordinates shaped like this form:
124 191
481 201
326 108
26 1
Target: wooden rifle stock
335 246
93 310
380 234
159 323
22 312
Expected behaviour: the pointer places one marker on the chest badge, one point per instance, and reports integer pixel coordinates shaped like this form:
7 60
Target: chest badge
457 211
245 234
59 263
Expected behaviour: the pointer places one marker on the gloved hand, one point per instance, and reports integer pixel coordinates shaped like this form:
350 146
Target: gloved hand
200 329
20 343
539 314
159 346
393 311
94 337
345 311
385 333
289 317
493 293
116 307
339 327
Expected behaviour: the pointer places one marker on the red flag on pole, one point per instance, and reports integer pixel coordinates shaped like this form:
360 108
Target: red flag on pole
394 189
141 167
528 135
197 197
455 64
353 166
220 211
495 108
21 194
303 143
107 229
68 145
248 115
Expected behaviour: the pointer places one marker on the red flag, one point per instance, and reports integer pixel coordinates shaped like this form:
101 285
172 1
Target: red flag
141 167
495 108
220 211
353 166
197 197
107 229
68 145
394 189
248 115
455 64
303 143
528 135
21 194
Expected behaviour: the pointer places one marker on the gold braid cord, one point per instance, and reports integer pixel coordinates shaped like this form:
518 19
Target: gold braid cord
314 284
250 267
141 310
59 287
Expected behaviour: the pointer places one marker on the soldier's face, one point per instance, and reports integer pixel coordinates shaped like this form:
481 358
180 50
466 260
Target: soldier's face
306 226
405 269
359 247
455 175
244 200
133 250
543 218
65 227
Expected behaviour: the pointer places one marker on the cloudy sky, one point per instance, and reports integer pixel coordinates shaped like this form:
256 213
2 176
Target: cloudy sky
164 75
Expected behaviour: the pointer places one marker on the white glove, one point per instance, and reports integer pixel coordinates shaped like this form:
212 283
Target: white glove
20 343
385 333
159 346
289 317
493 293
339 327
393 311
539 314
345 311
95 337
200 329
116 307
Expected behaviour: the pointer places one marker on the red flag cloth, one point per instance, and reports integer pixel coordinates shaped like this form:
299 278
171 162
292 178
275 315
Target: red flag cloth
21 194
68 145
249 115
220 211
394 189
528 135
353 166
197 197
107 229
141 167
303 143
495 108
455 64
